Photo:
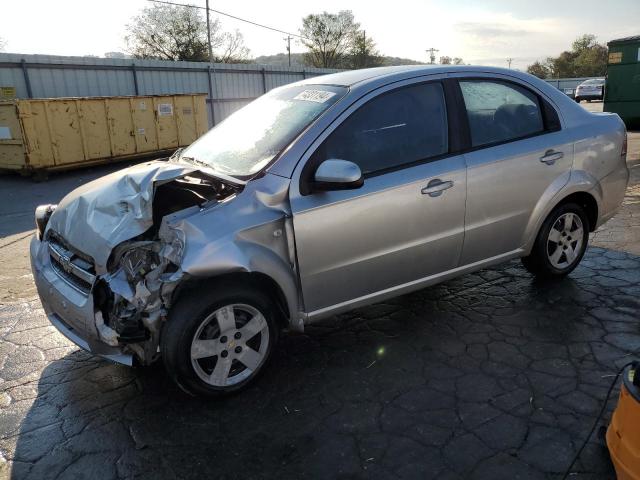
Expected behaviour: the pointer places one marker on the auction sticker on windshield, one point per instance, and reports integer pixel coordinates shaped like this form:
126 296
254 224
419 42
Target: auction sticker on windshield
318 96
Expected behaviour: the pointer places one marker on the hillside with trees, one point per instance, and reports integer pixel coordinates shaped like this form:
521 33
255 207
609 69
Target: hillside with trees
298 60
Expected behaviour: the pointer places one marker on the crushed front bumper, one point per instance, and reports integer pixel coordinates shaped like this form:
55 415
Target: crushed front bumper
68 308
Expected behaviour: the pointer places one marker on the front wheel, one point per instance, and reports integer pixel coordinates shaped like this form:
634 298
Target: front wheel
217 340
561 242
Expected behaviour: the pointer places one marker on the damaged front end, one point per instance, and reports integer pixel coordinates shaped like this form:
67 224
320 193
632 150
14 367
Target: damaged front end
131 284
135 296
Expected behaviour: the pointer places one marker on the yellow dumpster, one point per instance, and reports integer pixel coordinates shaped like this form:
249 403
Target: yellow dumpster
37 135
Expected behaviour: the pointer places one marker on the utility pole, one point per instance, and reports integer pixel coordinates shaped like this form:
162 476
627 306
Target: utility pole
432 54
509 60
209 34
364 48
288 40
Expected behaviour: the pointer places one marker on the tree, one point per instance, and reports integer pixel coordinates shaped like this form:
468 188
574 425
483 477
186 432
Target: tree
587 58
168 32
328 36
457 61
232 48
583 43
362 52
2 44
538 69
591 61
445 60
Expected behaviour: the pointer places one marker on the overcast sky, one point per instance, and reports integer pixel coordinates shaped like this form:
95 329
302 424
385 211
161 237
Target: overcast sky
481 32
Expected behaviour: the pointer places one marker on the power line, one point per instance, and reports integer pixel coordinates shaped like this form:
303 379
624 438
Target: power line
165 2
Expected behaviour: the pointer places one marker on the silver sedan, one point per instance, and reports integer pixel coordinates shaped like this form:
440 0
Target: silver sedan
319 197
592 89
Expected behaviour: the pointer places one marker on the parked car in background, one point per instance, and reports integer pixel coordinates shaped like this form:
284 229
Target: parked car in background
320 197
592 89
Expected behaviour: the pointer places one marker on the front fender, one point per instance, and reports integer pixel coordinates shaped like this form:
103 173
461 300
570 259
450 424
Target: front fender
250 234
246 253
575 181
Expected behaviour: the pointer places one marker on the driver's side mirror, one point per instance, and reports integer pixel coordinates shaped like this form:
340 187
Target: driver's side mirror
334 174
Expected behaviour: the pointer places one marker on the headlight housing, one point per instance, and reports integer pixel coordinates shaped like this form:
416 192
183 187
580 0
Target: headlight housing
43 214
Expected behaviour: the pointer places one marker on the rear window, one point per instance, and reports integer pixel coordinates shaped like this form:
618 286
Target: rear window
596 81
500 111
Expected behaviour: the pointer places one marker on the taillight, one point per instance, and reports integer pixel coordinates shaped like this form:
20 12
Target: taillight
624 146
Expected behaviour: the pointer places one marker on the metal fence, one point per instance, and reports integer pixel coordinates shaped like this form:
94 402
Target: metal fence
228 86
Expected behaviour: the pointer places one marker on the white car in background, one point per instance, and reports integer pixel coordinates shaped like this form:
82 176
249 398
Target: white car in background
592 89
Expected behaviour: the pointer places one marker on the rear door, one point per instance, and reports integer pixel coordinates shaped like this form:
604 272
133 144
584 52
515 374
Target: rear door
404 224
518 155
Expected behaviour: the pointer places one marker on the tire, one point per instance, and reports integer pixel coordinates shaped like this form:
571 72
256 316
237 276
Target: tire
204 314
556 252
577 99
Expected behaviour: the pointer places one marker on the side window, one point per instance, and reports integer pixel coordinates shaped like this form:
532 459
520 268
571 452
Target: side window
499 112
395 129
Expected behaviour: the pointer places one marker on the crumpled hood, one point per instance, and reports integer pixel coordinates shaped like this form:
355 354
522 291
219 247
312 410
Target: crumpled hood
103 213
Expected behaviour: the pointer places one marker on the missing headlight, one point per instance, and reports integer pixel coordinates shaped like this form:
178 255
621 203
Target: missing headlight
43 214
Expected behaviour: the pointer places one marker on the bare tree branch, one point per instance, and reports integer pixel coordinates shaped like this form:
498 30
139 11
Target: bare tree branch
169 32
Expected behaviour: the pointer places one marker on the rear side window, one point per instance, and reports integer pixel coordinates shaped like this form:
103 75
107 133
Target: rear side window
500 112
398 128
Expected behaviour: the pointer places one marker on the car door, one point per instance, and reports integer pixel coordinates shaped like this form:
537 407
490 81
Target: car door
405 223
518 155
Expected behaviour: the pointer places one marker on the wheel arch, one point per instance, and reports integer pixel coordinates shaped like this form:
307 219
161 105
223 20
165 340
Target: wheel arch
257 280
587 201
581 188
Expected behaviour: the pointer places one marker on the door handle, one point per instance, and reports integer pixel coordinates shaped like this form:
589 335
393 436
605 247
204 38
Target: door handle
436 186
550 157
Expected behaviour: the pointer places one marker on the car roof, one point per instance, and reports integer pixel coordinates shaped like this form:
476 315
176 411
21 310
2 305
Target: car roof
350 78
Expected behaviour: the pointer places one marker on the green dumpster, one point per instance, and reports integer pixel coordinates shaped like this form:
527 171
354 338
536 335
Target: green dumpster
622 89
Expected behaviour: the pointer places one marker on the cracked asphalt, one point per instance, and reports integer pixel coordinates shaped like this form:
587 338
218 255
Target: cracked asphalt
491 376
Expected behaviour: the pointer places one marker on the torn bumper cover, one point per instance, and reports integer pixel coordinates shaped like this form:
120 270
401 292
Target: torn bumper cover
69 309
83 315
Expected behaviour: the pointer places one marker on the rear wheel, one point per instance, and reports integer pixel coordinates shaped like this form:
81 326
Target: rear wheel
561 242
217 340
577 99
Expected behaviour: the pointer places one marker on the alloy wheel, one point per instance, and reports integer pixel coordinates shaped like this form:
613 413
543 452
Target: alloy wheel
230 345
565 241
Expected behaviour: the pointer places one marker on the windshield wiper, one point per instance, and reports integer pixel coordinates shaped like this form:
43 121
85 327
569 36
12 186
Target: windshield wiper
217 173
195 161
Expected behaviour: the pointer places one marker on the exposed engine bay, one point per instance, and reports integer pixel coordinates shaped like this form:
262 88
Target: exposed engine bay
133 298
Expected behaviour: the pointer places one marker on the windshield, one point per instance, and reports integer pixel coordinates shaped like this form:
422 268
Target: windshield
596 81
248 140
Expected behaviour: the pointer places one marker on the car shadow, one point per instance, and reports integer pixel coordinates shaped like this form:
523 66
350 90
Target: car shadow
491 375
